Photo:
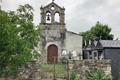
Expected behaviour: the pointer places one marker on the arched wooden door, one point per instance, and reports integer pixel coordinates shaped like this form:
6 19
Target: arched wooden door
52 55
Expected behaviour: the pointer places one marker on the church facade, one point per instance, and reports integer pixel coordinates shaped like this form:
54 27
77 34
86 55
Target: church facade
56 40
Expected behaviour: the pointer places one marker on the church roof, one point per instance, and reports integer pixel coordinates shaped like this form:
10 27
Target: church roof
73 33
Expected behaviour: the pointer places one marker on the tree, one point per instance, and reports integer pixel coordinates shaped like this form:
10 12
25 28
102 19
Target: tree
18 37
98 75
100 31
87 36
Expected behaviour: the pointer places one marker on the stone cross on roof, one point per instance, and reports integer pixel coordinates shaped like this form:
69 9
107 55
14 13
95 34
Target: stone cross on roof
53 0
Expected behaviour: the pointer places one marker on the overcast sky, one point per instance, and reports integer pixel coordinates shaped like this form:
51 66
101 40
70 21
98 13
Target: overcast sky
81 15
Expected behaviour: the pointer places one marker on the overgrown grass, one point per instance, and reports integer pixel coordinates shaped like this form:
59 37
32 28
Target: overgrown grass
60 69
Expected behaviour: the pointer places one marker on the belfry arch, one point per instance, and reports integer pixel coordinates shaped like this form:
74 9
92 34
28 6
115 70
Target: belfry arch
57 17
48 17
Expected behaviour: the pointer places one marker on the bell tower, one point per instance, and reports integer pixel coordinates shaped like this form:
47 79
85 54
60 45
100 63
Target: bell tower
49 14
53 25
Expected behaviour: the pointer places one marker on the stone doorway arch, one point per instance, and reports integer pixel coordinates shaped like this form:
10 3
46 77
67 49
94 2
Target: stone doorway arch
52 54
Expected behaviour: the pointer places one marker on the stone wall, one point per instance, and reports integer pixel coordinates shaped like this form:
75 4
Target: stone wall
31 71
84 66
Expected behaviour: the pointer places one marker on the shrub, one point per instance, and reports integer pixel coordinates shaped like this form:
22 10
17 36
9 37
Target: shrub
98 75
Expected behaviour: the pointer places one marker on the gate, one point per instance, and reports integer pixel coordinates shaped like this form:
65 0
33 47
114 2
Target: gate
54 71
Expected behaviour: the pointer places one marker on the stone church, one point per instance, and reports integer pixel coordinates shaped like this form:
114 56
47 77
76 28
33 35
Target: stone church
56 40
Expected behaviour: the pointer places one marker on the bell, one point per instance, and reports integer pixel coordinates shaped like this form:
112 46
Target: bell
48 17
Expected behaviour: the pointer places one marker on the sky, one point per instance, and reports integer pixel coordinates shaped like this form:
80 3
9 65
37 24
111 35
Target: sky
80 15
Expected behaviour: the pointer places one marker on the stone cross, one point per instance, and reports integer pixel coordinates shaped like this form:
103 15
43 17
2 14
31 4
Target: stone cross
53 0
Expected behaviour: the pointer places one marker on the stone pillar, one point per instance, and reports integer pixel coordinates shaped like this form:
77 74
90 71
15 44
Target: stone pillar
52 17
62 18
43 16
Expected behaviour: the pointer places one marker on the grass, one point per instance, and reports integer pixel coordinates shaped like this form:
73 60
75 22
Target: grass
60 69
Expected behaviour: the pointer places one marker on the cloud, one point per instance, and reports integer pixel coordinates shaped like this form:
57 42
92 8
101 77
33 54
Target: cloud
81 15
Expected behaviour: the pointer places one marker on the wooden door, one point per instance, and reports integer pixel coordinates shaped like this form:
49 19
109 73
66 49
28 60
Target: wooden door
52 55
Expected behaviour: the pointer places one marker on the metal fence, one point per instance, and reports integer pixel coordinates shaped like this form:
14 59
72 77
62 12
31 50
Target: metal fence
57 71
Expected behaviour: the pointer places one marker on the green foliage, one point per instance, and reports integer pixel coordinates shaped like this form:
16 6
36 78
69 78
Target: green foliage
18 37
98 75
74 76
98 31
102 31
87 36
